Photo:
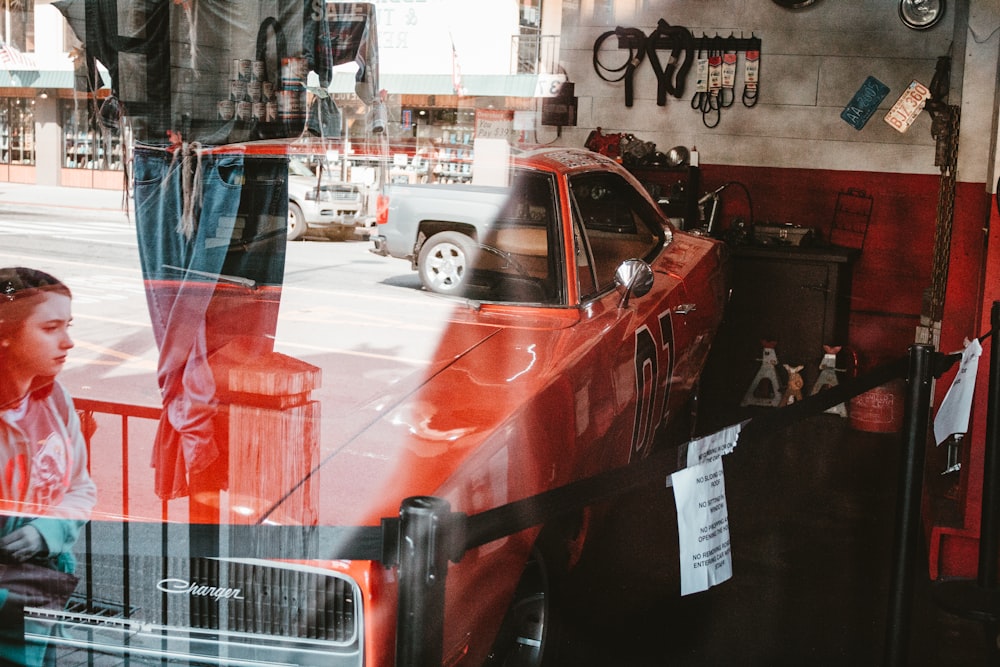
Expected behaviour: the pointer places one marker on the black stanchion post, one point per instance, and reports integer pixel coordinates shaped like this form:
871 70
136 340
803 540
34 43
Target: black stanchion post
423 567
916 412
989 519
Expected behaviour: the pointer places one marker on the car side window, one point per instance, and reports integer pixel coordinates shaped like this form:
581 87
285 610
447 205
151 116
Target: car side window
517 261
616 223
585 281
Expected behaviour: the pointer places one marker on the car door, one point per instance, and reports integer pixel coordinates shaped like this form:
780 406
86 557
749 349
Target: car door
613 223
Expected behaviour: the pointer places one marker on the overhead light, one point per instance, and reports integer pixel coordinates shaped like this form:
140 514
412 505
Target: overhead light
921 14
43 95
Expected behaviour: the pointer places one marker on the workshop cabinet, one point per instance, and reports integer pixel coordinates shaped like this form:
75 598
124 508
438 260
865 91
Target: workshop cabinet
796 297
675 189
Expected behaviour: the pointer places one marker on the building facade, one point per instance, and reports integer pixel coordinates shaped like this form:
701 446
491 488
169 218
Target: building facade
435 72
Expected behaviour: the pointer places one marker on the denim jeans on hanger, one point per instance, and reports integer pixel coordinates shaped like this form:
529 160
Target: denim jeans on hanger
212 232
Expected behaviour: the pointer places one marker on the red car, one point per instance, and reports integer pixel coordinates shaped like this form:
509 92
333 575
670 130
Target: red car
580 337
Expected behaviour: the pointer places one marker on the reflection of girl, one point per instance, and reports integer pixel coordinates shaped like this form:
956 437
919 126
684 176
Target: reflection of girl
46 493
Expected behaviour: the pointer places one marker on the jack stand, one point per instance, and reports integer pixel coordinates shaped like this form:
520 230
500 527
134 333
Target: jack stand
765 390
828 377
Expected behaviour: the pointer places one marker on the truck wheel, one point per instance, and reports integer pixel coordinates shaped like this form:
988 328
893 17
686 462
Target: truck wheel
296 222
445 262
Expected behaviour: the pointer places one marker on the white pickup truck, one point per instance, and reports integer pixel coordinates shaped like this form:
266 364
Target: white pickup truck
465 239
319 205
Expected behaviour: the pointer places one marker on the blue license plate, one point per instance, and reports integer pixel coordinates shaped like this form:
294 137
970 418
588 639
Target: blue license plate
864 103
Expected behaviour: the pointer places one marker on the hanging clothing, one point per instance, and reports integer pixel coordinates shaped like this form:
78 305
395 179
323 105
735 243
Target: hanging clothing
192 80
212 234
212 71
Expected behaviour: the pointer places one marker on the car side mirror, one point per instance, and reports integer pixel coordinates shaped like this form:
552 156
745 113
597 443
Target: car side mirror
633 277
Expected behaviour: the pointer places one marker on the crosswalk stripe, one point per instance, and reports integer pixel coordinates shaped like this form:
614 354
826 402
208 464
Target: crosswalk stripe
56 230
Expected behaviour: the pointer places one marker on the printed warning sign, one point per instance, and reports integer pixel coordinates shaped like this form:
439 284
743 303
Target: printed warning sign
713 446
702 526
953 415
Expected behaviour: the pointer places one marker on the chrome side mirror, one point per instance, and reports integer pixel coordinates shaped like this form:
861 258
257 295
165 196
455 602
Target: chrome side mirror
633 277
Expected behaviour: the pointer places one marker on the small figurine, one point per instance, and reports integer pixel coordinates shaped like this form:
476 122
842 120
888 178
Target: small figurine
793 390
765 390
828 377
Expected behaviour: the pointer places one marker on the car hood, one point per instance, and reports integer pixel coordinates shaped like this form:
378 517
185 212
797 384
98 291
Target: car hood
374 431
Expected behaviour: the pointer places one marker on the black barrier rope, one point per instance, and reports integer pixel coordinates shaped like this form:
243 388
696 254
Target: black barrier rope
459 532
380 543
498 522
507 519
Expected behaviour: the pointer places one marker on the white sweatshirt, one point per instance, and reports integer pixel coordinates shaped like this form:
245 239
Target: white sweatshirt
43 468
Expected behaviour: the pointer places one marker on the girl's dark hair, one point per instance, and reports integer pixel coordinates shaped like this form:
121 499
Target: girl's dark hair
18 282
18 286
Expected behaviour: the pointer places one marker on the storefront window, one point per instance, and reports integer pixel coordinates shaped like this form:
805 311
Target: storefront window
529 37
87 147
17 131
17 23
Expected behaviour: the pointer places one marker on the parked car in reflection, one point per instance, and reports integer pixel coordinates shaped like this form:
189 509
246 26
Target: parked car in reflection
320 204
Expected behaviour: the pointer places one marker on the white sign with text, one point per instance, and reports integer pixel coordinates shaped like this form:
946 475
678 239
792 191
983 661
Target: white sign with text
713 446
953 415
702 526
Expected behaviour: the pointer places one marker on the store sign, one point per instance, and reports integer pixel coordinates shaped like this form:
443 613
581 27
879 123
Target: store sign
418 36
549 85
494 124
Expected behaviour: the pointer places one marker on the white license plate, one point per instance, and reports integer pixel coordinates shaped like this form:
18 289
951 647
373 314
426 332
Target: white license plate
908 106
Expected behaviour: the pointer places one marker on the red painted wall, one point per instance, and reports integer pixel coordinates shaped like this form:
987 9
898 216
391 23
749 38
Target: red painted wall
953 510
890 279
896 262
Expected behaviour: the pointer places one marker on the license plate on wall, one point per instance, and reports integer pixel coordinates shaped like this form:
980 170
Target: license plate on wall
864 103
908 106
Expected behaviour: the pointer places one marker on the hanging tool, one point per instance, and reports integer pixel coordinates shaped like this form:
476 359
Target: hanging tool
670 80
751 73
636 41
714 88
699 100
726 93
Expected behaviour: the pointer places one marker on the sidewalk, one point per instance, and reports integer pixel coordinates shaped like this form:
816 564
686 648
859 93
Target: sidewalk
56 196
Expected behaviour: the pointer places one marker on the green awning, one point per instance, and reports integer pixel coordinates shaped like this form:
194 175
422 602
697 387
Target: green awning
36 78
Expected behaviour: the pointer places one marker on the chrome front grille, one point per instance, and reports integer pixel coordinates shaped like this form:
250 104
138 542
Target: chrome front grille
287 602
148 602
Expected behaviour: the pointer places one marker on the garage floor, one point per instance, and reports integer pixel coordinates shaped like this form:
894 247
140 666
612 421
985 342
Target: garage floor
811 512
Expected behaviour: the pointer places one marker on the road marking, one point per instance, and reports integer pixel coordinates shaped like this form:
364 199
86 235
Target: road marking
44 261
116 358
64 230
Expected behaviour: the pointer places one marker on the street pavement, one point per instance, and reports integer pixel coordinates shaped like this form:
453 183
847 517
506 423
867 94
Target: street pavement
58 196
